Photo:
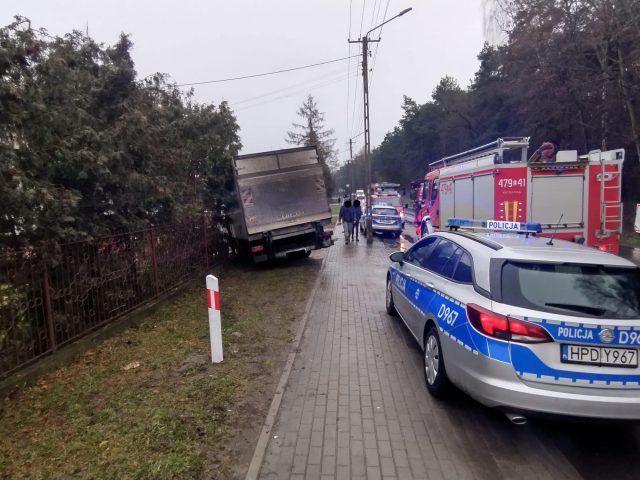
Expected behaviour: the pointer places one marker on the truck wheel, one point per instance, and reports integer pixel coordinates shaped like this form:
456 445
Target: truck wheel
435 374
391 307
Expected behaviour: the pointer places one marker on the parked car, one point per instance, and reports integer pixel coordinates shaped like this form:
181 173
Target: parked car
383 220
521 322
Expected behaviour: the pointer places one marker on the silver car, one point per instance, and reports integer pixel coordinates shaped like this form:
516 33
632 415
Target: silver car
522 323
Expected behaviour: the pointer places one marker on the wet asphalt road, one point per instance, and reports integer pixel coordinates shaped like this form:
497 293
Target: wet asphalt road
632 254
573 448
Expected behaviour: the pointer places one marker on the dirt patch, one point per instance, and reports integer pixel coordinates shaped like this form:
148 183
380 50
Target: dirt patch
148 403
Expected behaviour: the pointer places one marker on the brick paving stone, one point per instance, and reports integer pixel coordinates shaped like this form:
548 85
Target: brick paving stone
356 407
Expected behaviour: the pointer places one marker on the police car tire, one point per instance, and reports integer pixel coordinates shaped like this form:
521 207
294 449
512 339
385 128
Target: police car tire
391 307
441 386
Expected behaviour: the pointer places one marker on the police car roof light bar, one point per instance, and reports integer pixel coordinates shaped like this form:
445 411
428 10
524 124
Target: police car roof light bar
494 225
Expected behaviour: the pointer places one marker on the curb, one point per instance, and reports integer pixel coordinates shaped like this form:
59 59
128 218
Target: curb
263 441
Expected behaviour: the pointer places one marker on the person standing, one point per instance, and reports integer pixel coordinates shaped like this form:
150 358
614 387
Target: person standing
357 215
346 217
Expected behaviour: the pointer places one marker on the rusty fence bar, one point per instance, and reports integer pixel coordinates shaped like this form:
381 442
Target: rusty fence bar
44 305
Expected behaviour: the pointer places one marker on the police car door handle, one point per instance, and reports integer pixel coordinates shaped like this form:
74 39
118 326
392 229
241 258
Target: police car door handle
430 285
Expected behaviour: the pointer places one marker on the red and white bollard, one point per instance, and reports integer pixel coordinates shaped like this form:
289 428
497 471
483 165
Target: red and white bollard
215 323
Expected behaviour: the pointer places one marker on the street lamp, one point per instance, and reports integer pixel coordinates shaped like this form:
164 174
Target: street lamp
367 138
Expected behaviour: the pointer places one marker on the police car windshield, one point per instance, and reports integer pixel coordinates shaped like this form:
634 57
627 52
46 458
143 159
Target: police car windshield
571 289
386 201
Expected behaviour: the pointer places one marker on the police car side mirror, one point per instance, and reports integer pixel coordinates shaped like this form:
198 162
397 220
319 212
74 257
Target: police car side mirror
397 257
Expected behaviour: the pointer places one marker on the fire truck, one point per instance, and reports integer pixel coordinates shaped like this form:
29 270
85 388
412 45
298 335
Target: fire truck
576 197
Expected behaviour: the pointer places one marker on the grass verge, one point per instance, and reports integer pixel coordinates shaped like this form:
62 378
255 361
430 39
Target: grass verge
335 210
148 403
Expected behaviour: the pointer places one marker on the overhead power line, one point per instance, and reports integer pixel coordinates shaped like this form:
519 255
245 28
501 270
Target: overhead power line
265 100
266 73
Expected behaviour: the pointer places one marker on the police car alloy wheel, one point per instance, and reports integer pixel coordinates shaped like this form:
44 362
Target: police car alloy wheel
391 308
434 371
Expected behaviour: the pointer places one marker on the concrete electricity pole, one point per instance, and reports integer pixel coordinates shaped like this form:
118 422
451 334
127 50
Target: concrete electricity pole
353 166
367 138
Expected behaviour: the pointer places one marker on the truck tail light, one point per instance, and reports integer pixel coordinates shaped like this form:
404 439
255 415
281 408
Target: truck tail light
257 248
505 328
327 233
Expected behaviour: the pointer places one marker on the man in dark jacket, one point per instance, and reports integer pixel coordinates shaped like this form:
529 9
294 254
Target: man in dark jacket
346 217
357 215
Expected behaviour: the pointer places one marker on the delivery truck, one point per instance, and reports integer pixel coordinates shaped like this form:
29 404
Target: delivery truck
282 208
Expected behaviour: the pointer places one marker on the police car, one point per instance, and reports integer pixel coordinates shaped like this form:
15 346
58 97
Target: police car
522 322
384 219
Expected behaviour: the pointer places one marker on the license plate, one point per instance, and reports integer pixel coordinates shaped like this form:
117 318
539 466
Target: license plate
599 356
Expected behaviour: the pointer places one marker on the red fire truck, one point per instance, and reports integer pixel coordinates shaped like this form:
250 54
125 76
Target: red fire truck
576 197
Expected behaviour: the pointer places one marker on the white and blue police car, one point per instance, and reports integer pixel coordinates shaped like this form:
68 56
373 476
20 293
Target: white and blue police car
384 219
521 322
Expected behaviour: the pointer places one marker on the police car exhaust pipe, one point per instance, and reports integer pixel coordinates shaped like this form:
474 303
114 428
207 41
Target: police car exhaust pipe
516 418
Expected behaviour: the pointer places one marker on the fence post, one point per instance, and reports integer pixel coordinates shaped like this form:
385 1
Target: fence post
206 241
48 310
215 323
154 262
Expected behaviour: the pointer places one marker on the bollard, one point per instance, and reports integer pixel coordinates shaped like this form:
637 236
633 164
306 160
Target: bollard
215 323
429 226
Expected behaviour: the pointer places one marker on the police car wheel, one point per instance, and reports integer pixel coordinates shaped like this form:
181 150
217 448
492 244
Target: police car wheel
391 308
434 372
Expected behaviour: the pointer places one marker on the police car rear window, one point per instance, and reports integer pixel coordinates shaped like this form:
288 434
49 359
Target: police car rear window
385 211
572 289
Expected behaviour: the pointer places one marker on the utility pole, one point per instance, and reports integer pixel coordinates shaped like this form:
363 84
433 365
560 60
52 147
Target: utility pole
367 146
367 137
353 166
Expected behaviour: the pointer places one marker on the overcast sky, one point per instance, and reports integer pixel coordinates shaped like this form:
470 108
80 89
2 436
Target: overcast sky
200 40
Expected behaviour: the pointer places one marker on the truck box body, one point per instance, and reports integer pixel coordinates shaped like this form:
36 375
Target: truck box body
281 195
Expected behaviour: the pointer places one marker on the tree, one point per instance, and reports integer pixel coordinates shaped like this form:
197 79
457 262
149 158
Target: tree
87 150
311 132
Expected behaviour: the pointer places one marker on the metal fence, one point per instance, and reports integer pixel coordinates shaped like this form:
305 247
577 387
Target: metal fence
46 304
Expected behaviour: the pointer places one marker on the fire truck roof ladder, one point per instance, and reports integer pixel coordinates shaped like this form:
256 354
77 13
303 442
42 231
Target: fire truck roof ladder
497 148
610 202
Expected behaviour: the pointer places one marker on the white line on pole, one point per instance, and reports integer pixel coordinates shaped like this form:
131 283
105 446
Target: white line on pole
215 323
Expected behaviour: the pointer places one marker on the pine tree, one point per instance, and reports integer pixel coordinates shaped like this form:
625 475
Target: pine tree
311 132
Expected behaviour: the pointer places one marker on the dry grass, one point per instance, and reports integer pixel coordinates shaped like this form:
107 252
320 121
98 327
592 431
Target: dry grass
175 415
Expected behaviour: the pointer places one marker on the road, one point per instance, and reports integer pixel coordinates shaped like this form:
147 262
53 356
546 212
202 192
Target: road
631 253
355 405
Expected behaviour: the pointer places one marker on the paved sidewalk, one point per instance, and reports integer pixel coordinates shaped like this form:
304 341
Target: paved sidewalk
356 407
